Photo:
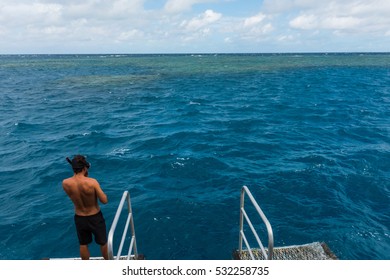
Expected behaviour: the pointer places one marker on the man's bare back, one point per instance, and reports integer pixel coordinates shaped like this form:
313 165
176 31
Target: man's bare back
84 192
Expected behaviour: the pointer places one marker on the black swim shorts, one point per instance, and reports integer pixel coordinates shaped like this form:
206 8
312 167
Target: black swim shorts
88 225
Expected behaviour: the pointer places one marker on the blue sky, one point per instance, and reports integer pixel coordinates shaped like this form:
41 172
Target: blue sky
193 26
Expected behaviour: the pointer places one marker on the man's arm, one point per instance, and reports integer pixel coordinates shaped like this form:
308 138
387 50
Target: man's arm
100 194
66 187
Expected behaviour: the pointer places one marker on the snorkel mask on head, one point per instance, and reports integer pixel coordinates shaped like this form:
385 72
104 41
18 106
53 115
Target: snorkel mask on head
78 163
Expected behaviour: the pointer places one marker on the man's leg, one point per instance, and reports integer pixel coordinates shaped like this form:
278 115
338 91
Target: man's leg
84 252
104 250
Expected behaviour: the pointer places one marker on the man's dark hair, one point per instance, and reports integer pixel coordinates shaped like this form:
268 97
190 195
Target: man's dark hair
78 163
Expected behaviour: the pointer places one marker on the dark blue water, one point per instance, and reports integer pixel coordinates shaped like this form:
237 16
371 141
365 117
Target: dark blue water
309 135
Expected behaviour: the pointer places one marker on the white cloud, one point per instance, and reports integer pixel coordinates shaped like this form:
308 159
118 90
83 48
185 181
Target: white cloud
24 13
343 15
126 7
3 30
258 33
178 6
254 20
341 22
205 19
67 21
255 27
103 10
304 22
281 6
198 28
130 35
286 38
55 10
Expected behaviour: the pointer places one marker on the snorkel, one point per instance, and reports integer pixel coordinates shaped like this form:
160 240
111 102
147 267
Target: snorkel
78 163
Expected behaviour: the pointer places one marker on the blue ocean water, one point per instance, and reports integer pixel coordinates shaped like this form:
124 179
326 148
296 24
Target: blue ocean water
309 134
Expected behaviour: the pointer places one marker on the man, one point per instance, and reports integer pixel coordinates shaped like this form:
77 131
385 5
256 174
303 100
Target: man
84 193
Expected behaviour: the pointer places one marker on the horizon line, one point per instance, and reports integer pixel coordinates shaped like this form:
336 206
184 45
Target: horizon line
203 53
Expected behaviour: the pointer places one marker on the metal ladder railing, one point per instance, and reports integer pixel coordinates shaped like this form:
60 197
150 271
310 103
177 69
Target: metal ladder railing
244 216
129 222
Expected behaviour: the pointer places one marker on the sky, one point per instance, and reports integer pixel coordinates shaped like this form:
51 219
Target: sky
193 26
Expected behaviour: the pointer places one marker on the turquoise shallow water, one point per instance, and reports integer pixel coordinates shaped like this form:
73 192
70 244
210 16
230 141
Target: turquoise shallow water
309 134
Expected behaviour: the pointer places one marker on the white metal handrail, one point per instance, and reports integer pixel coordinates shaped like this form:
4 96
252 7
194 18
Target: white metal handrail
129 221
244 216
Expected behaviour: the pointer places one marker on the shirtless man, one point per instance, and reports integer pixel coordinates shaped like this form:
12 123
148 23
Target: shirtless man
84 193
